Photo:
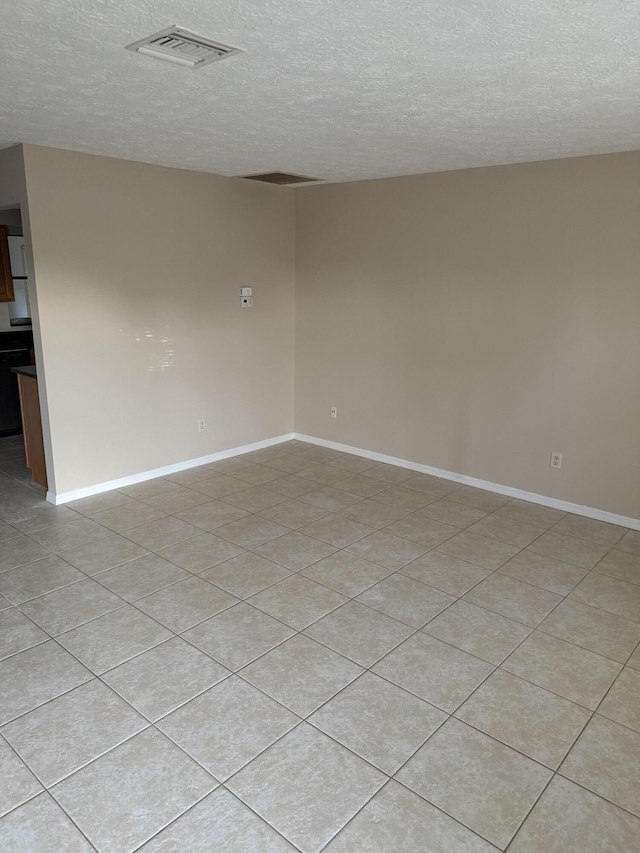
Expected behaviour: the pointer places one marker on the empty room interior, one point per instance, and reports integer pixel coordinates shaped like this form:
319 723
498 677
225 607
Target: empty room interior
320 426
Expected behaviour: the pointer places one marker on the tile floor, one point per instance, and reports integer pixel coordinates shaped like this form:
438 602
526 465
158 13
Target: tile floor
299 649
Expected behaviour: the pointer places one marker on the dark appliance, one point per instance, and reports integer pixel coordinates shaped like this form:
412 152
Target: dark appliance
16 350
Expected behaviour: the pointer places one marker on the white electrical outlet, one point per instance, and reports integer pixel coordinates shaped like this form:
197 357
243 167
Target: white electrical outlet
556 459
246 301
201 425
334 411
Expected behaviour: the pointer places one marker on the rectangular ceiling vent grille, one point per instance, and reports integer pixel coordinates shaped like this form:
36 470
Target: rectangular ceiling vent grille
183 47
281 178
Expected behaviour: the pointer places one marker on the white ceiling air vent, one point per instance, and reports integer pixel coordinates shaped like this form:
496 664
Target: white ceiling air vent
183 47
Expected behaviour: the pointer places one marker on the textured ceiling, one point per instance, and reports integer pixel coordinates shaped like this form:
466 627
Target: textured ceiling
341 89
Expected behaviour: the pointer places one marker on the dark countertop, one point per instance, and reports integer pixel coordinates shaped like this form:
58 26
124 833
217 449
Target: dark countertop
27 370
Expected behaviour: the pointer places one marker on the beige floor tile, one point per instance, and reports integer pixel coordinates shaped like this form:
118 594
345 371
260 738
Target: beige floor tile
245 574
436 486
513 598
392 474
297 601
200 552
373 513
532 720
251 531
622 702
330 498
140 491
480 632
400 497
407 600
355 464
634 660
129 794
141 576
220 816
121 518
452 513
580 552
518 533
621 565
97 503
220 487
254 499
42 518
20 550
293 514
434 671
288 464
588 528
36 676
301 674
294 550
610 594
227 466
397 819
210 515
103 554
161 533
337 530
479 550
188 477
40 826
71 606
238 635
482 783
70 535
568 819
186 603
445 572
257 474
292 486
592 629
165 677
346 573
541 516
17 782
544 572
227 726
307 787
113 639
7 531
37 578
177 500
69 732
574 673
17 633
360 484
325 475
378 721
421 530
359 633
479 498
389 551
630 542
606 760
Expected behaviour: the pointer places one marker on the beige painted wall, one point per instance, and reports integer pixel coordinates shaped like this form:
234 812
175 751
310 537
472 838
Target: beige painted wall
477 320
137 274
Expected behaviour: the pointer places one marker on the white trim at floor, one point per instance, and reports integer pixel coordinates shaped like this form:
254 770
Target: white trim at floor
565 506
76 494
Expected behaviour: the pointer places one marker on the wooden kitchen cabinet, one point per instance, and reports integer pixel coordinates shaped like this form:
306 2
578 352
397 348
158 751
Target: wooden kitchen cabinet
6 280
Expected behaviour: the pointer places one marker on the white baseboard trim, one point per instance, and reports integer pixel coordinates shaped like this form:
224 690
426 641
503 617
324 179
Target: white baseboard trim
509 491
98 488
